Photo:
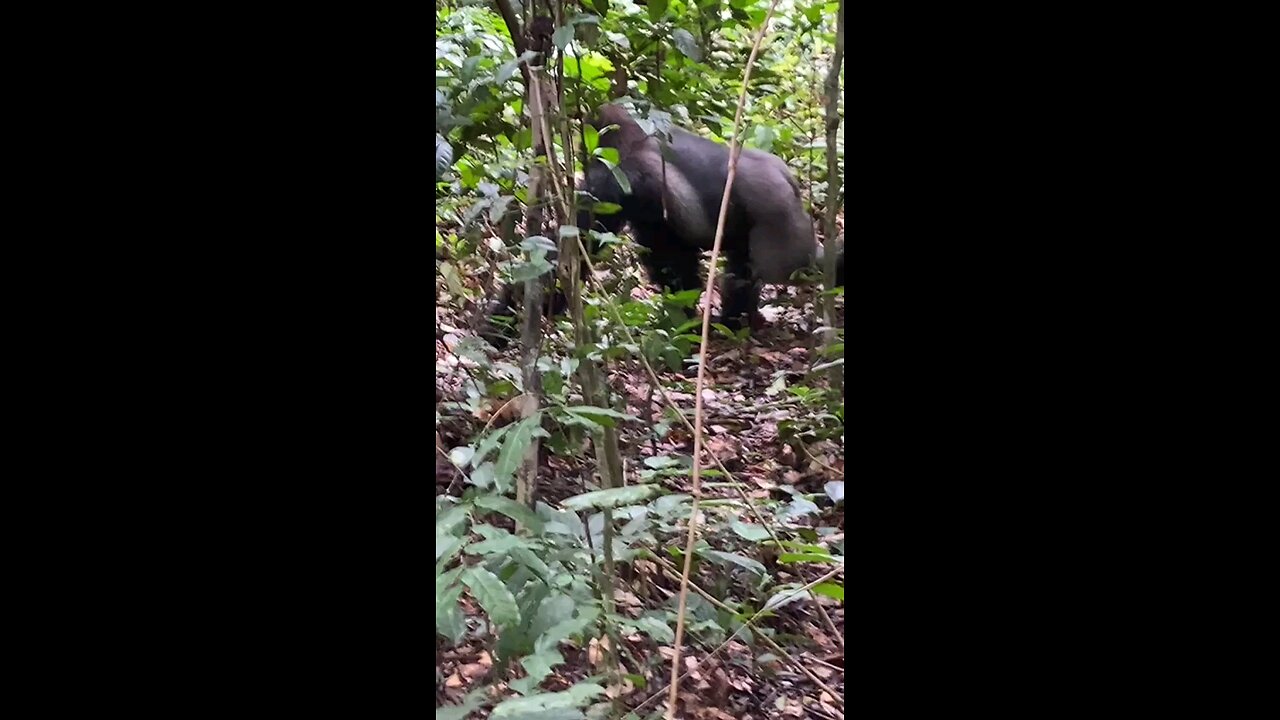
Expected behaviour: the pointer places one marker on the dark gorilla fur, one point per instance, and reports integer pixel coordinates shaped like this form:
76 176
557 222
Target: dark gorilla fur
767 234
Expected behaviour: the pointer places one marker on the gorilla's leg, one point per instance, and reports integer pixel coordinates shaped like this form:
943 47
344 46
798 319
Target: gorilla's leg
739 292
670 262
510 300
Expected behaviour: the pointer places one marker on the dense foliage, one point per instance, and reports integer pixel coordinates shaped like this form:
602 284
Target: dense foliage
567 606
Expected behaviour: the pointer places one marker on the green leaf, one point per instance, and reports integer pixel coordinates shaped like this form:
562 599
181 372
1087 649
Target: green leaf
657 8
482 477
562 36
601 6
657 462
800 547
591 138
656 629
529 559
831 590
545 706
805 557
783 597
537 242
488 445
539 664
798 507
500 542
449 621
623 181
685 43
565 629
667 504
741 561
535 267
493 596
512 452
552 382
749 531
511 509
612 498
554 609
446 545
599 415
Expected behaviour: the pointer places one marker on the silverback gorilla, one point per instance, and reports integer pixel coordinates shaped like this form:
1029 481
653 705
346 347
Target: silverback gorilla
767 233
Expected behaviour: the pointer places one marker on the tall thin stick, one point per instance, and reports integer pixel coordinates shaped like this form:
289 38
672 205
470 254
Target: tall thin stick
702 368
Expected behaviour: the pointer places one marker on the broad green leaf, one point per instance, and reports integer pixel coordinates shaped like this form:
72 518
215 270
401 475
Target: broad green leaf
741 561
685 43
623 181
449 621
553 382
749 531
502 542
656 629
831 590
800 547
657 8
667 504
535 267
537 242
493 596
544 706
614 497
446 545
530 559
591 138
584 691
806 557
512 452
566 629
562 36
553 610
511 509
657 462
482 477
799 507
591 411
783 597
539 664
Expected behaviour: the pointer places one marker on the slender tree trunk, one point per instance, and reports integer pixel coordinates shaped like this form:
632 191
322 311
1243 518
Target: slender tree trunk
832 92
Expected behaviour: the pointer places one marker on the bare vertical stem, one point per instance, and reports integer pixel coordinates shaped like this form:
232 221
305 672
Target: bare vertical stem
702 369
832 92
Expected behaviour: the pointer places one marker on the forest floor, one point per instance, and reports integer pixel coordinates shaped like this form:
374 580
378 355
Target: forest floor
743 405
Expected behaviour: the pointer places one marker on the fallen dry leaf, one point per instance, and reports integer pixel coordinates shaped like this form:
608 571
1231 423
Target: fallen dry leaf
596 651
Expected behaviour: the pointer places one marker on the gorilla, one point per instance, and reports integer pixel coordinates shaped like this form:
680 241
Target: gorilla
767 234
